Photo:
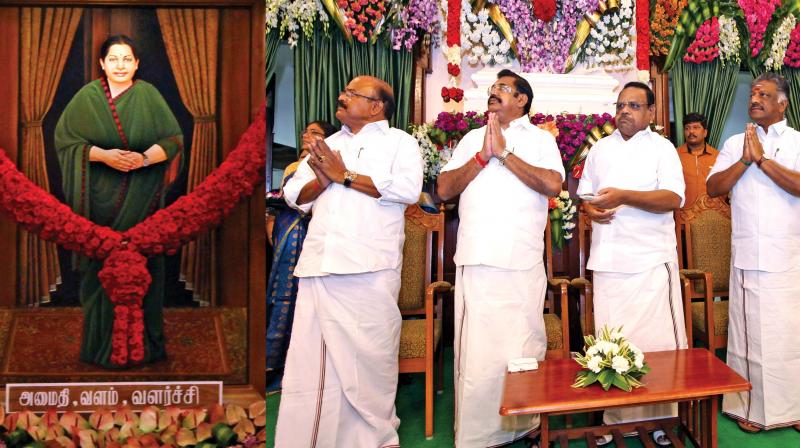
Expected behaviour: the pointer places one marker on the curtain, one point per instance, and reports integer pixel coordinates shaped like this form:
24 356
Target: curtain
46 38
191 38
704 88
323 67
793 111
272 53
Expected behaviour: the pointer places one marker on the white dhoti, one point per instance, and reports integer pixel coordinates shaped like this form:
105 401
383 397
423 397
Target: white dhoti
341 371
498 317
764 347
648 305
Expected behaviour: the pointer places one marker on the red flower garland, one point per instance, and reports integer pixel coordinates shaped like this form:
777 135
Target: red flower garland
125 278
643 34
452 93
124 274
453 22
544 10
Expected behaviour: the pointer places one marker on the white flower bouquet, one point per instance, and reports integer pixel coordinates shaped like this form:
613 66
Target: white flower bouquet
612 361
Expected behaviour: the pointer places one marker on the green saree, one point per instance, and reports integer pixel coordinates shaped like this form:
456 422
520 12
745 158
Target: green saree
117 199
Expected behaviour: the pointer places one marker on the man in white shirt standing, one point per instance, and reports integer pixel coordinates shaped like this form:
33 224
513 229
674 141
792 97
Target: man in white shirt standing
636 178
761 169
341 370
504 172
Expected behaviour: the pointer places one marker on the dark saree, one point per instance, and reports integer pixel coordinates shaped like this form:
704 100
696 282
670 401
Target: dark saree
135 120
288 234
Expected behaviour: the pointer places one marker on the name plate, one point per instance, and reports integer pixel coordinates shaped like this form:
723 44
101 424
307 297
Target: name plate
88 397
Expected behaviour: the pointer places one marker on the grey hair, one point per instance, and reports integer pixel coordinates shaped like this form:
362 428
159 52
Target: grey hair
779 81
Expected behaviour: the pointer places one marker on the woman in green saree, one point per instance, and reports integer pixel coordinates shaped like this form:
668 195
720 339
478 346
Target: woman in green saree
119 148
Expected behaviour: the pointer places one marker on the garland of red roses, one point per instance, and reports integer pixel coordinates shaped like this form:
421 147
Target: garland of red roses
544 10
124 275
453 52
643 34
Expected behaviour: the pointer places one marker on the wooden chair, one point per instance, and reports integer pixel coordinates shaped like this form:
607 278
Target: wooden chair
557 328
419 300
704 229
584 283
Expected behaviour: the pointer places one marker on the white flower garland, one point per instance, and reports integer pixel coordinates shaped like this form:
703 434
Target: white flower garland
480 41
294 17
567 213
433 157
609 44
780 41
729 43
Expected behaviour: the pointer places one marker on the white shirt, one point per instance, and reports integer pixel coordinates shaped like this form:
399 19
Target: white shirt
502 220
351 232
766 234
635 240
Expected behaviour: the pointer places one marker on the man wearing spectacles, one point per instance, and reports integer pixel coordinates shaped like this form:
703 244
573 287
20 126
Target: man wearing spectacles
340 379
636 179
505 172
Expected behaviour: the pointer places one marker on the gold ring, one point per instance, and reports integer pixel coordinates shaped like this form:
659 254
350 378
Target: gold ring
322 159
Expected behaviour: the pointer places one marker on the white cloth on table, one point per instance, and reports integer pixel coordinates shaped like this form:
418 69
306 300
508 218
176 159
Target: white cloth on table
351 232
635 240
501 220
649 307
498 317
341 371
765 236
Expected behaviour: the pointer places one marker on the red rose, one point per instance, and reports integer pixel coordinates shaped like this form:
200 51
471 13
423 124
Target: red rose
453 69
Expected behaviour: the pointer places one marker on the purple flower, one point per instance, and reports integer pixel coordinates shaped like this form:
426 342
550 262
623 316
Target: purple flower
419 17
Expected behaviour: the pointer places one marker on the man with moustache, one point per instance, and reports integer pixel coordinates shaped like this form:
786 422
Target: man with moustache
761 169
697 156
636 179
504 172
341 370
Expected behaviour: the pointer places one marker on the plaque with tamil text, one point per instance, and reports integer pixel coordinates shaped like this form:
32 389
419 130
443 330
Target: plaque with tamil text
88 397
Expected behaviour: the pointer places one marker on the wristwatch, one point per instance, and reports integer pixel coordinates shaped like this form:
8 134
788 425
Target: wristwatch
145 160
503 156
349 177
763 159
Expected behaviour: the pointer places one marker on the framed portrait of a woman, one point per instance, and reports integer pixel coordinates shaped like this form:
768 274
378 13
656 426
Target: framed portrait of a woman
117 109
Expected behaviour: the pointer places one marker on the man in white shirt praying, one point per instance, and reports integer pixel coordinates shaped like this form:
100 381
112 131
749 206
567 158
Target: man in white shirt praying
341 370
636 178
504 172
761 170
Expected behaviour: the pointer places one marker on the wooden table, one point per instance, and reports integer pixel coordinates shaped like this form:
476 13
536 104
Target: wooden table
694 378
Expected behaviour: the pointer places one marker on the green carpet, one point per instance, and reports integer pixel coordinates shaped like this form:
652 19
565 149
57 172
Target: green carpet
411 410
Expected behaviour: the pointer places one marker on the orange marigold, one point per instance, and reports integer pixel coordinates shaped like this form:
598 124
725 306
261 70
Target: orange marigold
663 19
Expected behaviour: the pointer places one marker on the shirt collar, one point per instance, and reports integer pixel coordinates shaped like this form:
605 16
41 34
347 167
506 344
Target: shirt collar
643 133
523 121
380 125
776 128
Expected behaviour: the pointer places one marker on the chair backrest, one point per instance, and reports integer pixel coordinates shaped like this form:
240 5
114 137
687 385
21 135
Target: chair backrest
584 241
549 305
706 231
418 253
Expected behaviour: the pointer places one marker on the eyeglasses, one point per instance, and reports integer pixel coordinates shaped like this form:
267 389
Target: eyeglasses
350 94
501 87
312 131
633 105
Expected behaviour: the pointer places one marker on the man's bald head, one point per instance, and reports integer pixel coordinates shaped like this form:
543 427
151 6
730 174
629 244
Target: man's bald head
383 91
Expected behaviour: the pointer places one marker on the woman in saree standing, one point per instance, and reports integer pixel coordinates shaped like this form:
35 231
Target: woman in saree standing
119 148
287 235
